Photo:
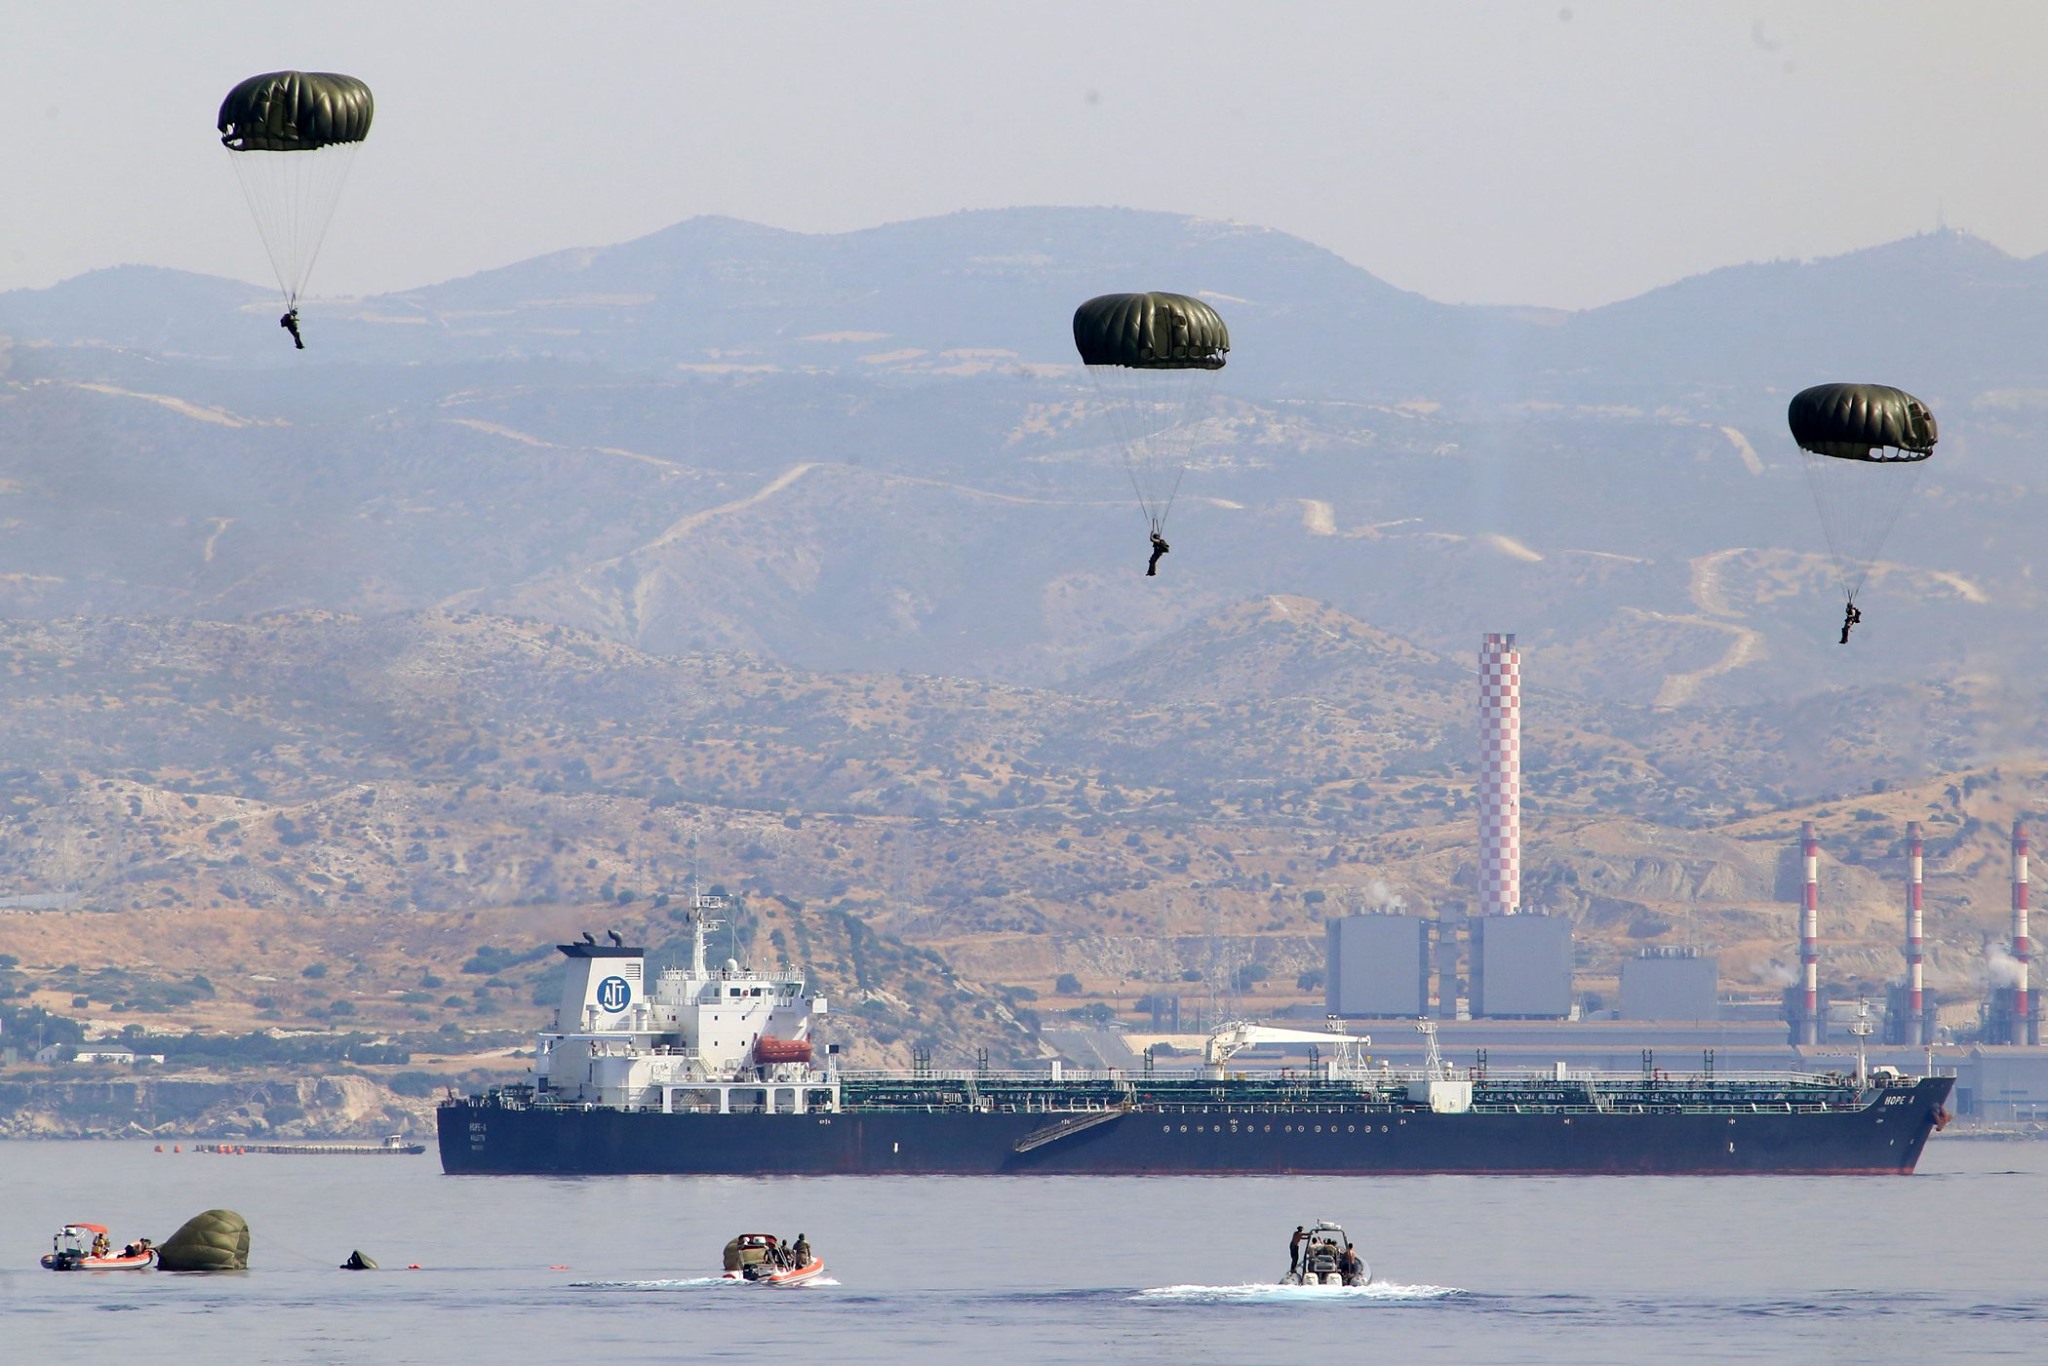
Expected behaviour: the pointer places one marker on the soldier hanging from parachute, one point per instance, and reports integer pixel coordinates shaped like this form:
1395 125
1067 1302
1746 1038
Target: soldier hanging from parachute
1154 359
1863 447
291 136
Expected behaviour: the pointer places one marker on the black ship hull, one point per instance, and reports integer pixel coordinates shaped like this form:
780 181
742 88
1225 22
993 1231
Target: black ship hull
484 1136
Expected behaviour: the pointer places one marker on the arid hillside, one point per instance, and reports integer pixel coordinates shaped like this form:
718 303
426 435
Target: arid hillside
380 825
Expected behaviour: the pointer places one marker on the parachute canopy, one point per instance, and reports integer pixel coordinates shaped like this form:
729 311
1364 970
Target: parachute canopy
292 136
1153 359
1150 332
217 1240
1861 422
1864 445
295 111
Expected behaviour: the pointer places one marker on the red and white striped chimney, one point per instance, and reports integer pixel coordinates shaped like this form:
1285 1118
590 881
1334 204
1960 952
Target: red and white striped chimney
2022 947
1500 775
1915 854
1809 938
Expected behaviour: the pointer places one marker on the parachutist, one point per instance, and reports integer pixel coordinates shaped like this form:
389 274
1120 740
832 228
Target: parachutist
1850 616
290 323
1159 547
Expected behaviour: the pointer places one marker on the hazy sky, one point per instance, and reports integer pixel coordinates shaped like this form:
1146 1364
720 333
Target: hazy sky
1559 153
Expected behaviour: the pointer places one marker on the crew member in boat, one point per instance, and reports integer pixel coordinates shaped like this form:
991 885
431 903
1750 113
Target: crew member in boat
800 1253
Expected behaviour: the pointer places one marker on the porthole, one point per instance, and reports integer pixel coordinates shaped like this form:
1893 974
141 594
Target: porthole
1183 1128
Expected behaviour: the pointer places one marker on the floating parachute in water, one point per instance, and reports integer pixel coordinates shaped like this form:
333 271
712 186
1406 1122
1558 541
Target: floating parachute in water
217 1240
292 136
1863 447
1153 358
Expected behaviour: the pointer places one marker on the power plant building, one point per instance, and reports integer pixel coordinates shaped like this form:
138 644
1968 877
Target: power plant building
1670 984
1377 966
1521 967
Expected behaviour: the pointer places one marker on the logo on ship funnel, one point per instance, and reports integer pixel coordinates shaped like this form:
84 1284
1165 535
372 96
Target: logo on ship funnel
613 993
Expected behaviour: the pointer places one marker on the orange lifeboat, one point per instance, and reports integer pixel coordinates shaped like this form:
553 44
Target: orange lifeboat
769 1050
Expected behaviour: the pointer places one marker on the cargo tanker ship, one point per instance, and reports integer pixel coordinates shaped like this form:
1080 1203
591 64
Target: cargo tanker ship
713 1071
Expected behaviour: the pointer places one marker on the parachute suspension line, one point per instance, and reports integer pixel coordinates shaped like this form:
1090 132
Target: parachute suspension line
292 196
1859 503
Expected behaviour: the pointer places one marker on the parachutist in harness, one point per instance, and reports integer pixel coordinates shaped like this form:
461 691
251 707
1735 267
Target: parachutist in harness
1850 616
1159 547
290 323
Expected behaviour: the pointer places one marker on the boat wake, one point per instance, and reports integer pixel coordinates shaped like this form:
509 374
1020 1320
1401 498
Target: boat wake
1383 1292
692 1283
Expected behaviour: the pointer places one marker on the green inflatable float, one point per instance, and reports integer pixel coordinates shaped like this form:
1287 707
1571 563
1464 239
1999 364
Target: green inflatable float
217 1240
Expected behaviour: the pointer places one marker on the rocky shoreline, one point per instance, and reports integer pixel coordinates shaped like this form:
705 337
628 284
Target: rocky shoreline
172 1108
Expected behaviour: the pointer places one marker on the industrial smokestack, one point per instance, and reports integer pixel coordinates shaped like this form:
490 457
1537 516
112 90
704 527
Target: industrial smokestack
2023 1029
1914 1000
1809 939
1500 776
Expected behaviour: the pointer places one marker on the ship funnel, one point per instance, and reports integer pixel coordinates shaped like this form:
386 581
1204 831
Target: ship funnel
603 984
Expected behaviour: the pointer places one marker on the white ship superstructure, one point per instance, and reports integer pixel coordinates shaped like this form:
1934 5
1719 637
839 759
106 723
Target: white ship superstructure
725 1040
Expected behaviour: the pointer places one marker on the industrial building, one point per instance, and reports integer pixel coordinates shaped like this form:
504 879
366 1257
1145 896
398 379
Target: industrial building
1377 966
1670 984
1521 967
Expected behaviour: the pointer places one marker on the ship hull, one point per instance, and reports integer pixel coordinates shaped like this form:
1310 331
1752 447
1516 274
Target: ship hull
1884 1137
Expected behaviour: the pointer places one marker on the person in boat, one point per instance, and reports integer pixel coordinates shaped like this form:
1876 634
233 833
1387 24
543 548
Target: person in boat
1159 547
1349 1265
1850 616
101 1246
800 1253
290 323
1294 1249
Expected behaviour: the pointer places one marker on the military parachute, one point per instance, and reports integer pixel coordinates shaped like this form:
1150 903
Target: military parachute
292 136
217 1240
1863 446
1153 359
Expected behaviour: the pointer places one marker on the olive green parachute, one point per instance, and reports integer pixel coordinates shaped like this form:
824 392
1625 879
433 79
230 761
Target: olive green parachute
1153 359
295 111
292 136
1872 422
1863 446
1150 332
217 1240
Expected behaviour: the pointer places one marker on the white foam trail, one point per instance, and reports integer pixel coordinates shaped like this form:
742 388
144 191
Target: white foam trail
1224 1294
693 1283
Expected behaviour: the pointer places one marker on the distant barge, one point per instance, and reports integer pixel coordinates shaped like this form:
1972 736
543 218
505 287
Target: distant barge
710 1073
393 1146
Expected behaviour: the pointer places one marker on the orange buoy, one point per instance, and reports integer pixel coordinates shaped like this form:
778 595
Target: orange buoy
159 1147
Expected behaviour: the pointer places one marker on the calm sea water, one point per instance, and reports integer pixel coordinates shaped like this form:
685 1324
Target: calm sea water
1944 1265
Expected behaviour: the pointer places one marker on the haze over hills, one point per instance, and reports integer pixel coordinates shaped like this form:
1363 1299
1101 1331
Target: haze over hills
824 530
